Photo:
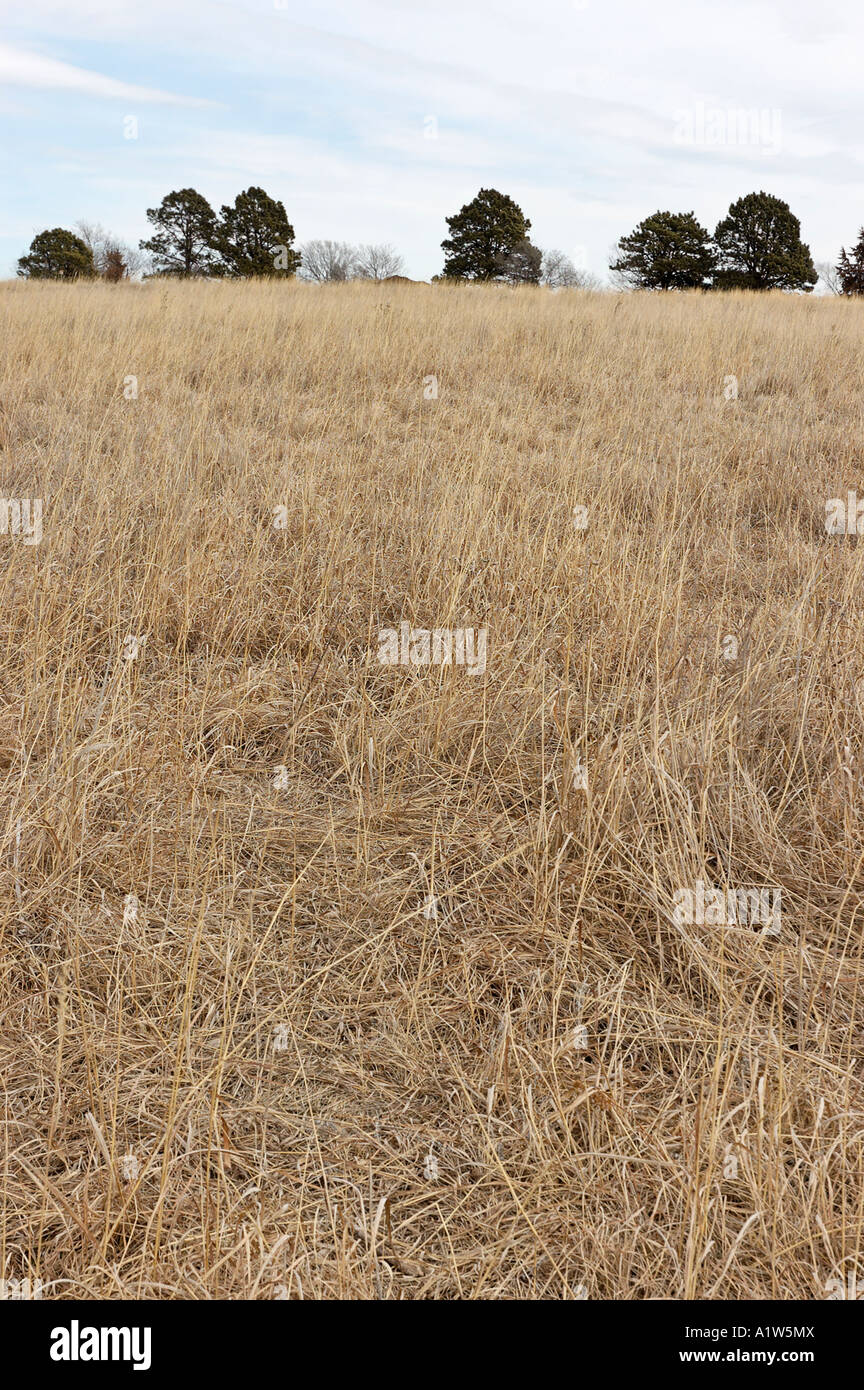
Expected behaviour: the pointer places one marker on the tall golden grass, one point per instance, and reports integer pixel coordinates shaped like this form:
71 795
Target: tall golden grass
323 978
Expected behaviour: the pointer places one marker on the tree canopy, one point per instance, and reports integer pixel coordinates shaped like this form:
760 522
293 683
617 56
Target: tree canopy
760 248
482 235
667 251
57 255
184 239
850 267
522 265
254 237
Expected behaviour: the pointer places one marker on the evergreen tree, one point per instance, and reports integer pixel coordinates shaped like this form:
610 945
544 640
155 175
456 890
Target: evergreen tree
57 255
667 251
254 237
850 268
115 266
760 247
485 230
522 265
184 241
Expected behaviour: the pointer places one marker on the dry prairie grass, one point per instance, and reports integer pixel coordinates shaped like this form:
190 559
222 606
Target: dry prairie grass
234 1091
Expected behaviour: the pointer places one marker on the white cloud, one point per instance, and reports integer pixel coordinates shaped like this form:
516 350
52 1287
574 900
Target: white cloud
23 69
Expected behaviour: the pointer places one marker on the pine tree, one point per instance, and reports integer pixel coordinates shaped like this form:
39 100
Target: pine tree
850 268
668 251
185 234
482 233
254 237
761 248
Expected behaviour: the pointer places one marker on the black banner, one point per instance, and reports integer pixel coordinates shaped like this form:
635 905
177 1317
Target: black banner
83 1340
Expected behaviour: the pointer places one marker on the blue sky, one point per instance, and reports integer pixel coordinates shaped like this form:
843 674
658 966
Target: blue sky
373 120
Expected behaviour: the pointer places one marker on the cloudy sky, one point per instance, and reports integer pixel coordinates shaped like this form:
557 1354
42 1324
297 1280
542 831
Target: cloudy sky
374 119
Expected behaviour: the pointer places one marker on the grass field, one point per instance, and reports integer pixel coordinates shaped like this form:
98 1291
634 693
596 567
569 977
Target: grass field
322 977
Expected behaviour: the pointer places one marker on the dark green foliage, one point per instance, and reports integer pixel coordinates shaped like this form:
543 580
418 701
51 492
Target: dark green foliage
522 265
668 251
850 268
185 235
254 237
57 255
760 247
485 230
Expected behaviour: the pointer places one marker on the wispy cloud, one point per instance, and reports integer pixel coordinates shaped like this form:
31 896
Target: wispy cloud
23 69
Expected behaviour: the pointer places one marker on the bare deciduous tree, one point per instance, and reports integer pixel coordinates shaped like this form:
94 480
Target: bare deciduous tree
829 277
558 271
113 259
328 260
378 262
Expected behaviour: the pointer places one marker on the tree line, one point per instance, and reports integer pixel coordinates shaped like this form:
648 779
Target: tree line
251 237
756 246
